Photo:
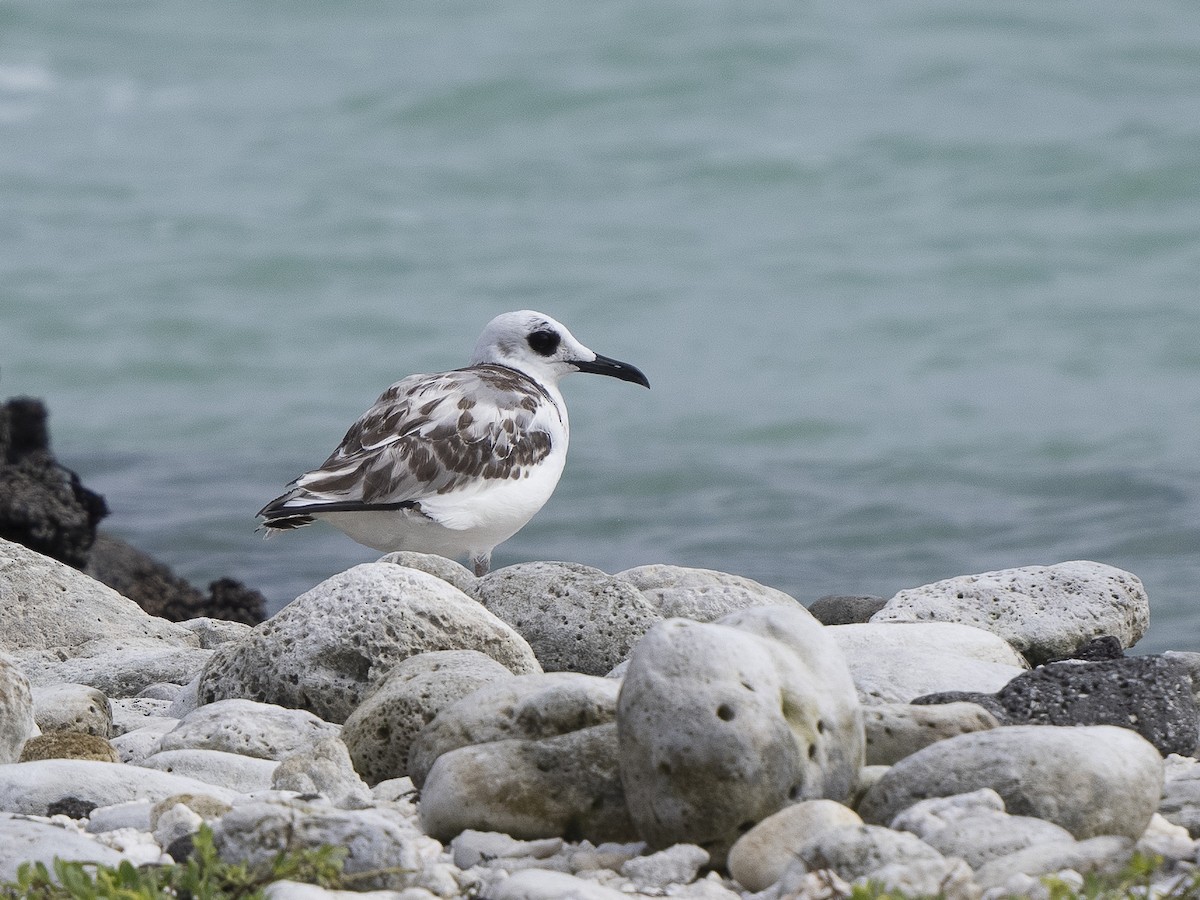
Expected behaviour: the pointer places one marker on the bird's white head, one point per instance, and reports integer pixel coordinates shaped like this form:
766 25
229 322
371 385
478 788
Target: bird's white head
542 348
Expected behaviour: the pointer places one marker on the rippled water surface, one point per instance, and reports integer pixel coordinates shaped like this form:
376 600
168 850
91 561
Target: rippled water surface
915 283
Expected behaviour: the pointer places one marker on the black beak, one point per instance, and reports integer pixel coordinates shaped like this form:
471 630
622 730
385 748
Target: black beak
602 365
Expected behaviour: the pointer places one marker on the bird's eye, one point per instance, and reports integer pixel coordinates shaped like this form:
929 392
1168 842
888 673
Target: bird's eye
544 343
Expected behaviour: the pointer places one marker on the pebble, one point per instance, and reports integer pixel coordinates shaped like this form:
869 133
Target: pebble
729 759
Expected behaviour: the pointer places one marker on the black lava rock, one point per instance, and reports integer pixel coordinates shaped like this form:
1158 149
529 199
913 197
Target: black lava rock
845 610
987 701
43 505
1099 648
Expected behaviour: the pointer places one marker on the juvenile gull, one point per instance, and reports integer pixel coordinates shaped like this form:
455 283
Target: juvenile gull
454 463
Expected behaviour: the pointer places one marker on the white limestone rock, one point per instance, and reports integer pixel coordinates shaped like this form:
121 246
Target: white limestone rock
381 731
134 746
448 570
47 605
23 840
677 865
243 774
212 633
704 595
17 724
540 884
127 815
324 768
473 848
324 650
132 713
117 671
31 788
262 730
576 618
898 662
896 730
72 707
528 707
1043 611
1105 854
1091 780
722 724
760 857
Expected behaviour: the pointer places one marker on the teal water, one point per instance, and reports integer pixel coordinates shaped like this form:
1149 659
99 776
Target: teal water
915 283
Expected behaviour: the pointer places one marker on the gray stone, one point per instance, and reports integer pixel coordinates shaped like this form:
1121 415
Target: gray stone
721 724
244 774
1045 612
1180 802
116 671
896 730
212 633
324 768
1091 780
540 884
576 618
835 609
72 707
976 828
529 707
160 690
46 605
895 663
32 788
438 566
1105 855
134 746
564 785
472 848
132 713
323 651
700 594
68 745
763 854
380 732
262 730
23 840
16 711
131 814
679 864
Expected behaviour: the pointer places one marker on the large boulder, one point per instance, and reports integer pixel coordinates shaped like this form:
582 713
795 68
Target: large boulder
327 648
576 618
1043 611
16 711
721 724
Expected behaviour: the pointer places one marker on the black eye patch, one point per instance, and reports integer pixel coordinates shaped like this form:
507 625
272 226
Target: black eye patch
544 343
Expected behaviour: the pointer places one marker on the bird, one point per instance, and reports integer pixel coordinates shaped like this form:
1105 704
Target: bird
454 463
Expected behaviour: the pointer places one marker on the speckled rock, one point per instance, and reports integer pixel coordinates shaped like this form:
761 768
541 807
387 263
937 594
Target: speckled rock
1043 611
262 730
46 605
69 745
576 618
323 651
116 671
72 707
722 724
676 865
244 774
763 854
895 663
380 732
1091 780
896 730
840 609
700 594
530 707
324 768
16 711
439 566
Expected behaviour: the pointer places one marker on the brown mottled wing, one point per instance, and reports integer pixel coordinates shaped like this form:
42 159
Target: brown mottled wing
428 435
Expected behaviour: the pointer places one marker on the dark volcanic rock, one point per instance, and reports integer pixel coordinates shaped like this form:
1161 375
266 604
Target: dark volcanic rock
1151 695
845 610
160 592
1099 648
43 505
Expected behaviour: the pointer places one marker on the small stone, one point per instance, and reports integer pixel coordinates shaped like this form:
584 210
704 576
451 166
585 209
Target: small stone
438 566
244 774
69 745
324 768
248 728
471 848
539 884
845 610
675 865
72 707
702 595
16 711
1105 855
896 730
763 854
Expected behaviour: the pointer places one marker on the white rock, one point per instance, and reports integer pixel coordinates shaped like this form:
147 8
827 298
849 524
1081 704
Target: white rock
132 713
30 788
212 633
22 840
324 768
446 569
249 728
700 594
763 854
896 730
539 884
1165 839
325 649
896 663
177 822
16 711
471 848
675 865
721 724
119 671
976 828
576 618
128 815
380 732
1090 780
1043 611
46 605
243 774
295 890
1107 854
72 707
134 746
139 848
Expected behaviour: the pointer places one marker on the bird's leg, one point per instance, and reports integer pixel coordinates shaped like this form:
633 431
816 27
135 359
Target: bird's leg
482 563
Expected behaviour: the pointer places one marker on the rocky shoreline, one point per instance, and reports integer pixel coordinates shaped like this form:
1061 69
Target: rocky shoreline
554 731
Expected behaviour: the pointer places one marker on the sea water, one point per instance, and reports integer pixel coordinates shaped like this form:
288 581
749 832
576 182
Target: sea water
915 283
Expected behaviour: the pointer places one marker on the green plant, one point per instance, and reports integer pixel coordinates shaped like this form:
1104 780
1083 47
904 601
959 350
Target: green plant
203 876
